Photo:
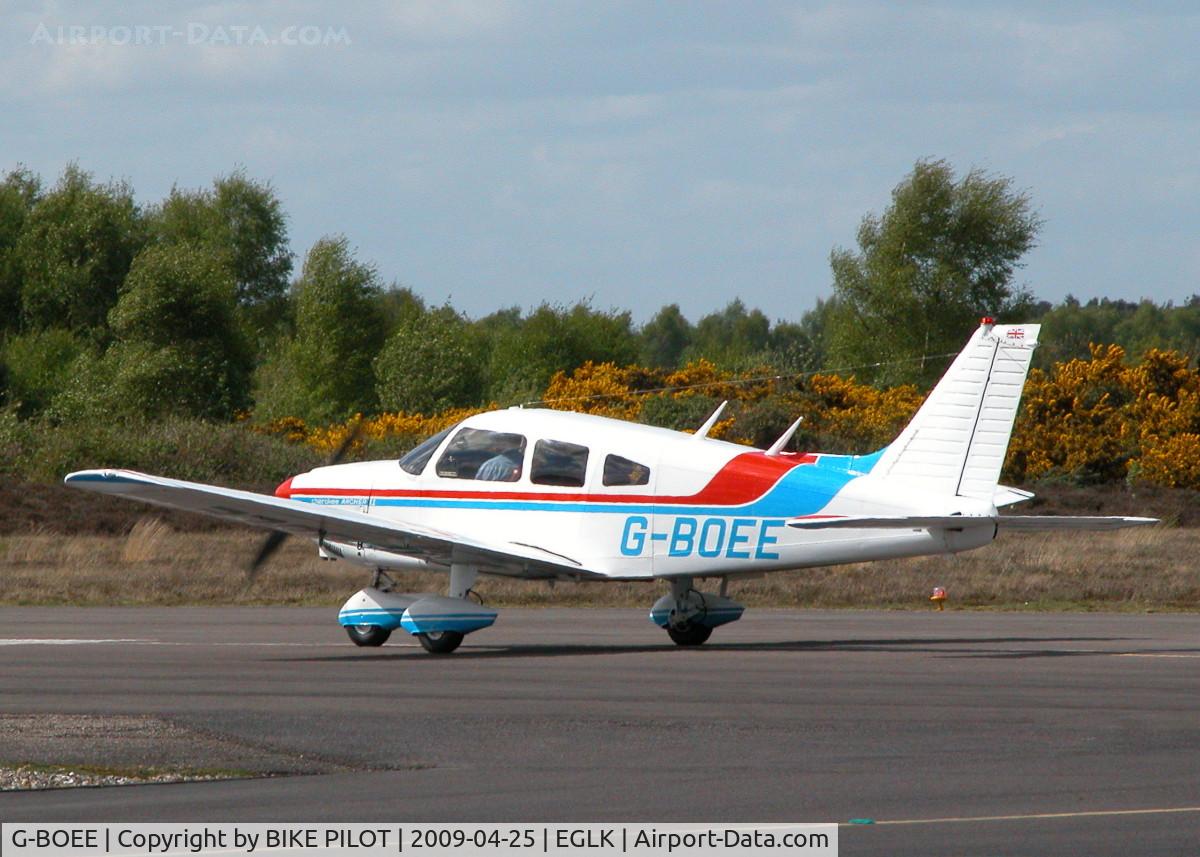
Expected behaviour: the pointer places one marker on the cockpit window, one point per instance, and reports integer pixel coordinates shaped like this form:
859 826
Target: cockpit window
491 456
623 471
556 462
415 459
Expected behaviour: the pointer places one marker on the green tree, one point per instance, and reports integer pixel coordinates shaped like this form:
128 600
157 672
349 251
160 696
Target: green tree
1069 328
324 372
432 361
399 304
802 346
939 257
664 338
75 250
1147 327
19 192
38 366
732 337
242 221
1183 324
524 357
179 349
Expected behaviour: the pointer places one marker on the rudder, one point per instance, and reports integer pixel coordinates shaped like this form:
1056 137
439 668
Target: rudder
957 441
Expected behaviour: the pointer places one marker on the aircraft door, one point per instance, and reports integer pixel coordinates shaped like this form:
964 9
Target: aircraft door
685 532
631 477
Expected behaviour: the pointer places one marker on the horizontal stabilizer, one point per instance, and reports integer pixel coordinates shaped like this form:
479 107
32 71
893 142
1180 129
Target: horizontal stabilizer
1041 523
1013 523
1005 496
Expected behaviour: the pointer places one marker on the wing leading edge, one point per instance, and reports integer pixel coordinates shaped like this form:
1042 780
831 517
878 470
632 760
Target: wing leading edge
303 519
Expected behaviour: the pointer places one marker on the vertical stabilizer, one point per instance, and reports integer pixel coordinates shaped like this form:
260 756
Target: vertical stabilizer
957 441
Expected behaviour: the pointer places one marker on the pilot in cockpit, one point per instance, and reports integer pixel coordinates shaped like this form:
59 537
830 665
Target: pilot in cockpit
505 466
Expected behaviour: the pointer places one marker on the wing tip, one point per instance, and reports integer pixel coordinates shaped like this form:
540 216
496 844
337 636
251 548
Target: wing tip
98 478
80 476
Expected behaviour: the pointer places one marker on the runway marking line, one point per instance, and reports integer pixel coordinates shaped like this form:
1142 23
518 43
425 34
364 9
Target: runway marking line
1159 654
43 641
1036 816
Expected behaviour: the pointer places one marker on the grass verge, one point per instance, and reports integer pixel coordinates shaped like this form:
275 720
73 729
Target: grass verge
1137 570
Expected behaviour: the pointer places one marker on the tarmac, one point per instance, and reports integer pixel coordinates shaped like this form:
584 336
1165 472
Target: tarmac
951 733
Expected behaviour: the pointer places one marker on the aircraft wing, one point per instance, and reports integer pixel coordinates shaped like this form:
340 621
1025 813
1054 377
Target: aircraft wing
1013 523
330 522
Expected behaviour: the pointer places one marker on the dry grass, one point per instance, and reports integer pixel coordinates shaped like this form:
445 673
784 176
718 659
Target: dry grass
1129 570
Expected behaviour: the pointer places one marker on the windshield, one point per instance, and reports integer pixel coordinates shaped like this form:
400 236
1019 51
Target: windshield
416 458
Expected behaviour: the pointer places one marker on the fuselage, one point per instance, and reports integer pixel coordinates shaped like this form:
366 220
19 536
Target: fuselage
625 500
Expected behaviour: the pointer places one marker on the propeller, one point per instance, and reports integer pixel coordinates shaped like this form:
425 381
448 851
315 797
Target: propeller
275 539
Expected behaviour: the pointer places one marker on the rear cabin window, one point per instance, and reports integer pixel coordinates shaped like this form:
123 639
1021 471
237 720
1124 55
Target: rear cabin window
624 471
556 462
416 458
490 456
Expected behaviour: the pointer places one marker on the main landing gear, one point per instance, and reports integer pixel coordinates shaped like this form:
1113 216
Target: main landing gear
440 642
689 616
689 633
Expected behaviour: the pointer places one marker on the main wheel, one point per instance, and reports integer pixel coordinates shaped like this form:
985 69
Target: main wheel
440 642
368 635
689 634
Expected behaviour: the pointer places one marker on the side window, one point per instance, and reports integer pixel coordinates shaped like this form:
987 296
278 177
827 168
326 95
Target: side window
492 456
556 462
415 460
622 471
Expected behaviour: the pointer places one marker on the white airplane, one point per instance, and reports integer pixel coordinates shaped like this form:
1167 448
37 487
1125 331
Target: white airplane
553 495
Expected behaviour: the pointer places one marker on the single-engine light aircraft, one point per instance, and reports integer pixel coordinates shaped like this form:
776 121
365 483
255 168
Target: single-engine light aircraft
553 495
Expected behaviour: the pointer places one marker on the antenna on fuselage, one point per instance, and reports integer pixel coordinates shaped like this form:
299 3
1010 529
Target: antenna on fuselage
777 446
703 431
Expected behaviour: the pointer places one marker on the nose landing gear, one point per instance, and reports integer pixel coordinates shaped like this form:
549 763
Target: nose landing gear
439 622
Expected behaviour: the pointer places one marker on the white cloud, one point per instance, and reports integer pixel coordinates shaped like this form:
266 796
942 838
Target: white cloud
450 20
1037 135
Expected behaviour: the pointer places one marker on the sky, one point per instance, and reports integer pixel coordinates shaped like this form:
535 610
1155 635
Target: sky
633 154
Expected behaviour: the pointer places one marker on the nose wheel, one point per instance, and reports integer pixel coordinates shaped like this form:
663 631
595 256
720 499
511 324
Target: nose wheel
368 635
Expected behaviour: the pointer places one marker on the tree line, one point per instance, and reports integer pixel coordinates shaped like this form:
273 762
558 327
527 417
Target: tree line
194 307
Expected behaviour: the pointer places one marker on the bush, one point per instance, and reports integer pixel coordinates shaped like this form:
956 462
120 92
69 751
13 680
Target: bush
181 448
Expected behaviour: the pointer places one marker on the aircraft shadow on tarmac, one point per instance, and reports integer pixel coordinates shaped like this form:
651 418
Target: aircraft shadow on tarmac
930 645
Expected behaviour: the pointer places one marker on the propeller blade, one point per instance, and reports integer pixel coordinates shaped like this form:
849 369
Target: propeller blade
276 538
270 544
348 441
